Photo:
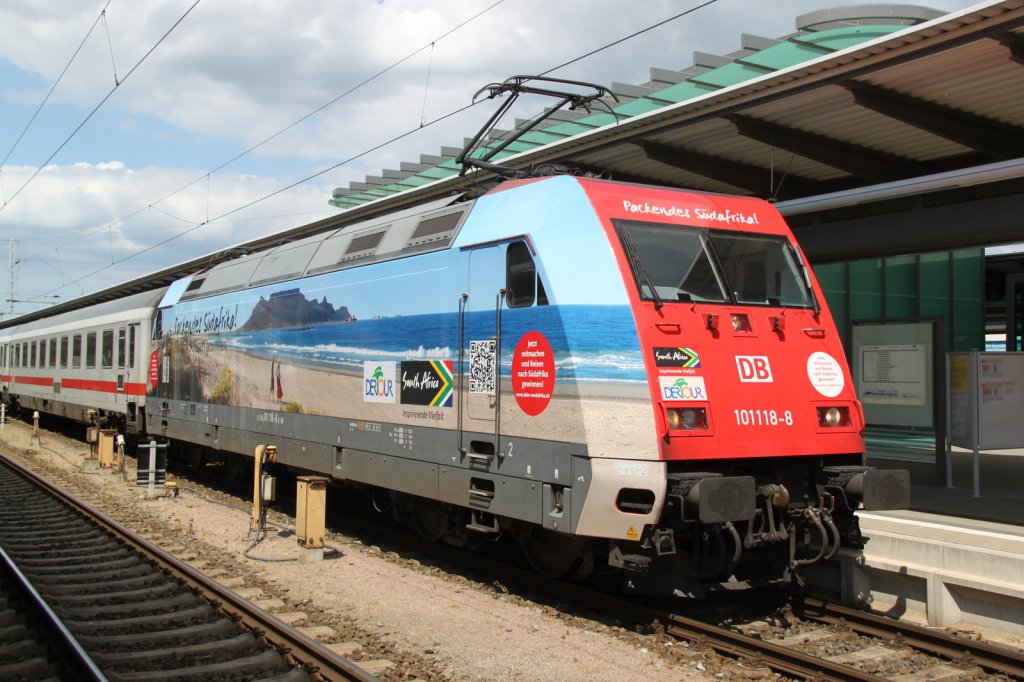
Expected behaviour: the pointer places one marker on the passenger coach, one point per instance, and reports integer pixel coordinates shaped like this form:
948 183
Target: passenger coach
93 360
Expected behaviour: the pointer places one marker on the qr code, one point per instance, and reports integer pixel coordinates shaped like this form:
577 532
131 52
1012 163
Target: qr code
481 366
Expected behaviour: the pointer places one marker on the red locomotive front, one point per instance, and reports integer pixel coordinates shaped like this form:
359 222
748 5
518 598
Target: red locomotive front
755 410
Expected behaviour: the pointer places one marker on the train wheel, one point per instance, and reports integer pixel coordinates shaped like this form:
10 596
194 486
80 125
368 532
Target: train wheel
236 466
553 555
428 519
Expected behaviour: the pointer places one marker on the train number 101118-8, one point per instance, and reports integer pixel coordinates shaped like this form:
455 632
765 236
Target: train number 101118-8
763 418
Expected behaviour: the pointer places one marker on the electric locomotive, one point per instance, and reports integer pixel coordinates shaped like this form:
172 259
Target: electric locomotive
615 375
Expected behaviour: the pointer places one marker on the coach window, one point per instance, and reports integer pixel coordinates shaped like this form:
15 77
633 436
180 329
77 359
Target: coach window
53 352
90 349
120 347
32 354
63 351
133 331
108 348
521 280
76 351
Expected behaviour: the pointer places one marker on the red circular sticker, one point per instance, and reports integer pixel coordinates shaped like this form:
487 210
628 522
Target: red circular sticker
533 373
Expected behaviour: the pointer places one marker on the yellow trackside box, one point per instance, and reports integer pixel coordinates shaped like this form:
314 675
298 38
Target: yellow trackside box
311 508
106 447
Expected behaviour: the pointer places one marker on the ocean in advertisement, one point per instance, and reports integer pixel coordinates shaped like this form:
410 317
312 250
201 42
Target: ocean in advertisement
590 343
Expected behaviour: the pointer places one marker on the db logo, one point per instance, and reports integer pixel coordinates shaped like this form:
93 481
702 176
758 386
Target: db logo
754 369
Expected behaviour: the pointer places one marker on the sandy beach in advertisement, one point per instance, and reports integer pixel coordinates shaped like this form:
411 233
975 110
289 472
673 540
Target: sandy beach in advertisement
615 419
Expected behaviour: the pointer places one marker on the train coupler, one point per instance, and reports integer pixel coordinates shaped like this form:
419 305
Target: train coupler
636 563
661 540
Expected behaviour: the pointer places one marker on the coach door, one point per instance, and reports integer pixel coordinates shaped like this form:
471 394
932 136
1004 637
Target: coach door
481 351
127 349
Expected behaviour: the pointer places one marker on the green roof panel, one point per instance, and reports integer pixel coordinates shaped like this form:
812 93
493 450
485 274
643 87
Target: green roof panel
728 75
782 55
842 38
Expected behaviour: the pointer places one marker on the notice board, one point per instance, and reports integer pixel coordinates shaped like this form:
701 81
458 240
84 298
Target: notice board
986 400
893 372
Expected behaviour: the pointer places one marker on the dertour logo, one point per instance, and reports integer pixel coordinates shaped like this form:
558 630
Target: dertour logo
683 388
379 382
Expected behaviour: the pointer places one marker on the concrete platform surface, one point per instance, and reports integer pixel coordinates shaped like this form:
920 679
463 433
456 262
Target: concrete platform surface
956 558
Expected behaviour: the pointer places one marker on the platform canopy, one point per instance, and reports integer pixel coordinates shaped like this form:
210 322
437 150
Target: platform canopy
889 108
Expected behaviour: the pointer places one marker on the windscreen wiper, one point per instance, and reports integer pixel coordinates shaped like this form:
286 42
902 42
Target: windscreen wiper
807 281
638 266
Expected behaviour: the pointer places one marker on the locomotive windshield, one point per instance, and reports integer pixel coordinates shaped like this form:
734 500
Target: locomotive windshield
673 264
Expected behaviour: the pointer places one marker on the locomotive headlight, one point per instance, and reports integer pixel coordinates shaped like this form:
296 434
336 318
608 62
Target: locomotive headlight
833 416
687 418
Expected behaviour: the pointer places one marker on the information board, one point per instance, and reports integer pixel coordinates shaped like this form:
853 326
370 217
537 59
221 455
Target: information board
893 372
986 400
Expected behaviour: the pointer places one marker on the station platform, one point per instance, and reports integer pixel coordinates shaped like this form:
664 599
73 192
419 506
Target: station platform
954 559
1000 485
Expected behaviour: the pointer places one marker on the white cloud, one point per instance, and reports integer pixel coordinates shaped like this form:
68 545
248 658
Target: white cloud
83 217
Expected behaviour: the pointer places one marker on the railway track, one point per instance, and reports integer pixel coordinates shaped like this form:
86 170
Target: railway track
816 640
961 653
819 641
135 611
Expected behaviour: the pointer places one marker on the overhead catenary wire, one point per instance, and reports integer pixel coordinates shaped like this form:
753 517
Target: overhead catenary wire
103 101
366 151
67 66
266 196
314 112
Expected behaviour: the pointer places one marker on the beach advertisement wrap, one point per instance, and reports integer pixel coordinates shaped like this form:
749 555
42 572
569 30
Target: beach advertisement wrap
402 368
381 343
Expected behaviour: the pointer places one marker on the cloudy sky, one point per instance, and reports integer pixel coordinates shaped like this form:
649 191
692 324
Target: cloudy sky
153 100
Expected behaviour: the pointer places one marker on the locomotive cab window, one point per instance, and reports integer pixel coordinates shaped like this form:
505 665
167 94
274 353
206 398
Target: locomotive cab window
684 264
522 283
